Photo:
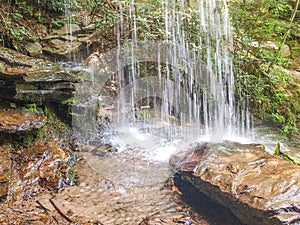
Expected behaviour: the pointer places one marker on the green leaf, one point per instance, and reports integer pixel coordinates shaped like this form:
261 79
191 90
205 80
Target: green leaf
277 150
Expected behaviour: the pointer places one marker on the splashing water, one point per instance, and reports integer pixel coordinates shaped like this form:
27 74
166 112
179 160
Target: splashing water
193 99
189 95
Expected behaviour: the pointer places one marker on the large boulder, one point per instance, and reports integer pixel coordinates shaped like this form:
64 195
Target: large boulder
64 48
257 187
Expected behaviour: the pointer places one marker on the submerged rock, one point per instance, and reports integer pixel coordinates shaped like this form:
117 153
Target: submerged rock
257 187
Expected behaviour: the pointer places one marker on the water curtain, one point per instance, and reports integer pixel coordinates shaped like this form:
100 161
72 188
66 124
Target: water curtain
194 74
175 78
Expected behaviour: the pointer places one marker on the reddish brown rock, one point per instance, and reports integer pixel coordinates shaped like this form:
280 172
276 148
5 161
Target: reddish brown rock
4 170
257 187
21 128
13 122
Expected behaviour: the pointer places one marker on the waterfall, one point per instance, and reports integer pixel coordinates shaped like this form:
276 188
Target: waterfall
203 92
179 86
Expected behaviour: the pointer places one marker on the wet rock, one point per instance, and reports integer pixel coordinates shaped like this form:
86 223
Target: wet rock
63 49
14 122
257 187
4 170
70 43
15 59
68 29
20 127
44 165
34 49
16 66
89 27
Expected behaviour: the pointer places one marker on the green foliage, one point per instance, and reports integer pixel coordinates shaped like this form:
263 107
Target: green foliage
31 108
17 16
259 69
279 9
72 177
290 128
69 101
54 123
21 34
24 7
262 18
146 114
58 23
28 141
282 155
57 6
277 150
72 159
104 15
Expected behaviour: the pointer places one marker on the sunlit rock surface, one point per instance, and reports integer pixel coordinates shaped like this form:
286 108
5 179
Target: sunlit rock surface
15 126
257 187
69 43
4 170
14 122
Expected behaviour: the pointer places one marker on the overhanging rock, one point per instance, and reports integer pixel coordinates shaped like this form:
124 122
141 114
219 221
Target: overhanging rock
257 187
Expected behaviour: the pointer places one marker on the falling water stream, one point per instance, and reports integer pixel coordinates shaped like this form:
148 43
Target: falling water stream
188 97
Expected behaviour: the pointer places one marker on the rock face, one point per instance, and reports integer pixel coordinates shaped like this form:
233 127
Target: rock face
25 79
69 43
271 46
257 187
14 122
15 126
34 49
20 127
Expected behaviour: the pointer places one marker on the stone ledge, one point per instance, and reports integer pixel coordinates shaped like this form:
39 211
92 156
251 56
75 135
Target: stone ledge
14 122
22 128
257 187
